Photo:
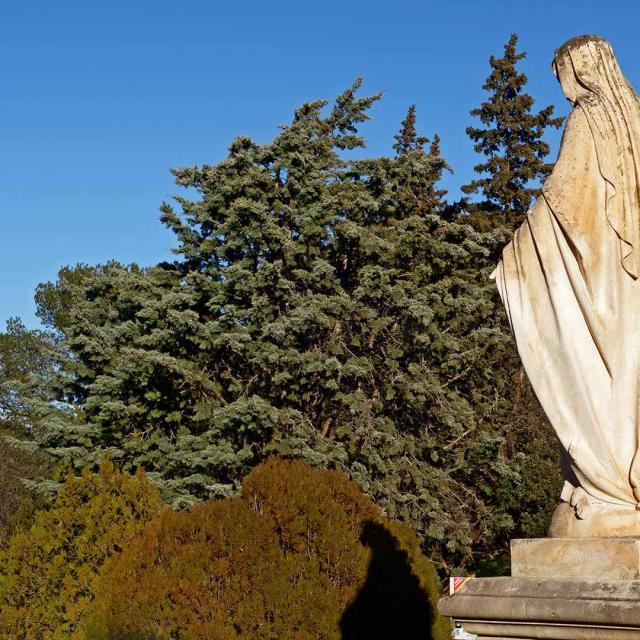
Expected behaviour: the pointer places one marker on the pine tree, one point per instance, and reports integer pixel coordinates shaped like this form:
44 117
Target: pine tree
515 151
512 143
27 362
407 139
318 308
419 188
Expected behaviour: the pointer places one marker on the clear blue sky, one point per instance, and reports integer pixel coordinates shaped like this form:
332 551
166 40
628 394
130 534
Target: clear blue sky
98 100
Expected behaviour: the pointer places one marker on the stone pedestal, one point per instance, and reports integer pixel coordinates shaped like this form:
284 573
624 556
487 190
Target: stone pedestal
583 559
560 589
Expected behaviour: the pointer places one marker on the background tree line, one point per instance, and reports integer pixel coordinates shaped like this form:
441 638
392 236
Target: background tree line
320 308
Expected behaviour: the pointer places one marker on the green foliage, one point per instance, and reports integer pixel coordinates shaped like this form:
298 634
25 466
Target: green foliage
416 189
48 572
512 143
26 363
531 442
318 308
300 554
27 360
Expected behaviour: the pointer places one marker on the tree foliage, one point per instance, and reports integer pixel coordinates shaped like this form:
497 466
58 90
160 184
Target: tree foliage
299 554
512 142
16 503
319 308
418 190
27 361
48 572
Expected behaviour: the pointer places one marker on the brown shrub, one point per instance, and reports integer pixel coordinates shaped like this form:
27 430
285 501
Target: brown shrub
301 554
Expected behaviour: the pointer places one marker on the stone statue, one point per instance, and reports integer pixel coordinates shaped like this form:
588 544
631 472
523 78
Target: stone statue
569 283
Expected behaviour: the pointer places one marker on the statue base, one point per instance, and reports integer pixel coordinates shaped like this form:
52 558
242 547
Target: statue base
584 559
601 520
560 589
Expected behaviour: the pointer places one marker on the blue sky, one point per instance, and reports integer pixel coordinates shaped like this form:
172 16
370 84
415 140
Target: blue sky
99 100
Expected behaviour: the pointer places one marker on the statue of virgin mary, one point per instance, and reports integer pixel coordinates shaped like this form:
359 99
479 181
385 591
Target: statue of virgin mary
569 283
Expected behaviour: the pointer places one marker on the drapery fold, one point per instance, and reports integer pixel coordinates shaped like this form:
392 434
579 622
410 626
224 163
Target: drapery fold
574 308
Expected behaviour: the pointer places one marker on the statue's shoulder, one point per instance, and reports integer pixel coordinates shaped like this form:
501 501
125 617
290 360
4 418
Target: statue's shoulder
577 140
569 189
577 125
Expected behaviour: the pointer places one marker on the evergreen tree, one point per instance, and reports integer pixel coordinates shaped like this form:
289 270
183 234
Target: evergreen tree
27 357
512 143
318 308
300 554
407 139
419 188
27 362
48 571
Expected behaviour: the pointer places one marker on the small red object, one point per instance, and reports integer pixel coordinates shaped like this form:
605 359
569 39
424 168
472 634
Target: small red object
455 584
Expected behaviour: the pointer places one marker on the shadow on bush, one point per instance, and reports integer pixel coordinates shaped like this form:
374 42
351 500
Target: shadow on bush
300 554
391 603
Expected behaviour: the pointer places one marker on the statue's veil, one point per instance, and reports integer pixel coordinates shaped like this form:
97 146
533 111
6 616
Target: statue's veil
613 112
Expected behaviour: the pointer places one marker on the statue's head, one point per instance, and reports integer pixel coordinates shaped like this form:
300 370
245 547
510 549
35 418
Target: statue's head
591 78
586 67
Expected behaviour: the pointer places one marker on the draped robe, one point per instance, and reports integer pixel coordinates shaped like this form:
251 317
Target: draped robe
575 314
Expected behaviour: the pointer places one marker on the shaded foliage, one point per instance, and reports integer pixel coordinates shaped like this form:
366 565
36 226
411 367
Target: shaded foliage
27 361
16 502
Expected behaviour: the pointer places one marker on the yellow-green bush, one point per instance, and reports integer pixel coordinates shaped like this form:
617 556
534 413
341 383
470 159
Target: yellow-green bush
301 554
48 573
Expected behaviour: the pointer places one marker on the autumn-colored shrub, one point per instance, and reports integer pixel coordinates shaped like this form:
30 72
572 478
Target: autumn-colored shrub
48 573
301 554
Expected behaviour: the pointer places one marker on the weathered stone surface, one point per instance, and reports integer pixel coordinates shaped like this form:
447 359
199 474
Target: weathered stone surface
571 287
602 520
586 558
527 608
